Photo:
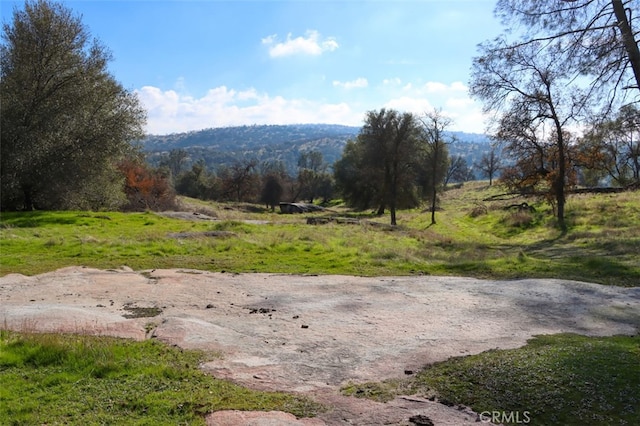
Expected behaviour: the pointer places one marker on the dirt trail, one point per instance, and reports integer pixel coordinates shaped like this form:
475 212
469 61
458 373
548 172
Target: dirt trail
312 334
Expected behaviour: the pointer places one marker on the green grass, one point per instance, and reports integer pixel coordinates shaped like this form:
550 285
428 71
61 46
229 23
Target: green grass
561 379
85 380
472 237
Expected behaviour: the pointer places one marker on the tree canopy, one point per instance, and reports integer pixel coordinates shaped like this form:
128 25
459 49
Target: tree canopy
594 39
396 159
65 120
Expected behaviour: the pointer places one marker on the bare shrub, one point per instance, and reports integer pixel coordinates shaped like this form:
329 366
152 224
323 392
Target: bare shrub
520 219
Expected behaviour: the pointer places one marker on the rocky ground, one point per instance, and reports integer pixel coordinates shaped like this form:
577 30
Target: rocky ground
313 334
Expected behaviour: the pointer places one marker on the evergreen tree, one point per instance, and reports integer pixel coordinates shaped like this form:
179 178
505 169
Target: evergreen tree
65 121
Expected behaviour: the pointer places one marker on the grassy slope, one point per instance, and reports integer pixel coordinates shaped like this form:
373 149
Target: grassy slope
600 246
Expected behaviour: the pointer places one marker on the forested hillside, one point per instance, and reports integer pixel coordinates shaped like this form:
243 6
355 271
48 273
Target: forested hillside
226 145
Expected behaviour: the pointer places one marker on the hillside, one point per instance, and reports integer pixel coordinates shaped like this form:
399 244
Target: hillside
268 143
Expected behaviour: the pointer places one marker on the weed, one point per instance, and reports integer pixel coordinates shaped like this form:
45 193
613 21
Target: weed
141 311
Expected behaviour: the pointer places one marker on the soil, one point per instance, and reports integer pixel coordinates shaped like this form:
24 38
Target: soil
313 334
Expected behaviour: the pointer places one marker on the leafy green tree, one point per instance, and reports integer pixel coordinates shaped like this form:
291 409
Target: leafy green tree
381 162
272 190
198 182
174 161
358 183
313 179
64 120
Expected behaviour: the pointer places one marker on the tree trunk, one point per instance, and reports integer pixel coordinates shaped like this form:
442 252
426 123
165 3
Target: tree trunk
433 207
559 182
434 197
28 198
628 39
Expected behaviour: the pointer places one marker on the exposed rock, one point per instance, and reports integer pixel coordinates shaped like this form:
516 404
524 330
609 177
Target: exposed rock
365 329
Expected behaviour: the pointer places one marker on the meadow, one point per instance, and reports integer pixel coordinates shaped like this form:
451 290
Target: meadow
560 379
472 237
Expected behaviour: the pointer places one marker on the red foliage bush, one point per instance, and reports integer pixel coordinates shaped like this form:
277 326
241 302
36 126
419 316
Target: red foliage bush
146 188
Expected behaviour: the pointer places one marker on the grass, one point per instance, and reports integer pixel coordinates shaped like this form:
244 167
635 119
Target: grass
88 380
472 237
563 379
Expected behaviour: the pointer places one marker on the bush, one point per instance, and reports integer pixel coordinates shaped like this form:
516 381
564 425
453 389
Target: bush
146 188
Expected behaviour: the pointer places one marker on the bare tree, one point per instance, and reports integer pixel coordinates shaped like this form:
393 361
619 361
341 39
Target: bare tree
613 148
529 92
240 180
434 140
593 38
489 164
458 170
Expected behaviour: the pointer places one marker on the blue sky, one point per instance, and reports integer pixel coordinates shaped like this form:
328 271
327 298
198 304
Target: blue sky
201 64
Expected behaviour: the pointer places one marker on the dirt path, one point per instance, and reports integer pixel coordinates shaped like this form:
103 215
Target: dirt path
312 334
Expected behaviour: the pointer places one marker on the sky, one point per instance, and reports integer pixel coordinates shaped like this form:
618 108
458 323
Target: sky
200 64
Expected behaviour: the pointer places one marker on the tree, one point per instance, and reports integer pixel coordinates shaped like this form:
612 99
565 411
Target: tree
240 180
198 182
379 167
434 143
594 38
458 170
64 121
313 179
146 188
613 148
531 94
272 191
356 180
489 164
174 161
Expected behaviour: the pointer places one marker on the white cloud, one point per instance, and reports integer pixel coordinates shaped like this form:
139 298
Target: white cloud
358 83
392 81
310 44
438 87
170 112
409 104
452 98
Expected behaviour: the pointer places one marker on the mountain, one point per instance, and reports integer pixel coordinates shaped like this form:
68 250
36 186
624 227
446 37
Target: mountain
226 145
